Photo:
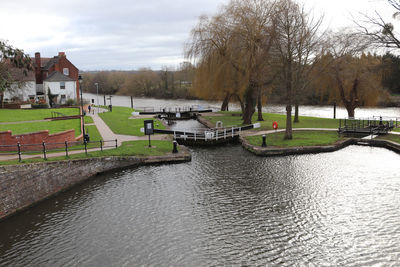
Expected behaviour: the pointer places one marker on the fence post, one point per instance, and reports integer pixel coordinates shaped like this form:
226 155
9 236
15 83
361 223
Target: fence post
19 151
66 148
44 151
85 143
116 143
101 145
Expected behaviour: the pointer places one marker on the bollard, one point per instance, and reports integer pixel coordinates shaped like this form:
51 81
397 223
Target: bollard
116 143
66 148
19 152
44 151
175 149
264 140
101 145
85 143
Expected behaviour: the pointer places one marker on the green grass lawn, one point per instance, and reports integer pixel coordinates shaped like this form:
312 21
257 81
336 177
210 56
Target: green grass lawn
119 122
12 115
52 126
300 138
131 148
305 122
390 137
88 119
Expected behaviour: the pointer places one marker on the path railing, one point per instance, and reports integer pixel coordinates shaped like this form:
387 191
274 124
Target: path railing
46 148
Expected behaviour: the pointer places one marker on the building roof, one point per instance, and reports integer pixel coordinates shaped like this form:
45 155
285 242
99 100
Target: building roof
18 74
56 76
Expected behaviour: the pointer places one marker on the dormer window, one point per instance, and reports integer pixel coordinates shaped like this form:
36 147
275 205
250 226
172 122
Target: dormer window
62 85
66 71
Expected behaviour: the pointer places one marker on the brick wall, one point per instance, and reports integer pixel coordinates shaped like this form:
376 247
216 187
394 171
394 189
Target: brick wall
22 186
7 139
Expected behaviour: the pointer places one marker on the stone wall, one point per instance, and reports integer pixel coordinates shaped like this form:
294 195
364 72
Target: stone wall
24 185
7 139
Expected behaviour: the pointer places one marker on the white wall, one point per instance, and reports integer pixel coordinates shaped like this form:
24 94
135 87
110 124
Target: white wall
28 88
69 91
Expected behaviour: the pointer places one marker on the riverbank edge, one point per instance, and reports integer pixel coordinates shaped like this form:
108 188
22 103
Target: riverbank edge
287 151
25 185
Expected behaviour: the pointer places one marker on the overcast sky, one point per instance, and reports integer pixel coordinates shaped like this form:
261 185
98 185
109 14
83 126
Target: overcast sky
130 34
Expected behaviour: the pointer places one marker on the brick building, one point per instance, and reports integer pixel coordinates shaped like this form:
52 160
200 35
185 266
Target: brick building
57 74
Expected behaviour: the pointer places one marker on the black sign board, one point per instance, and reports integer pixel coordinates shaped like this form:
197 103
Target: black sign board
148 127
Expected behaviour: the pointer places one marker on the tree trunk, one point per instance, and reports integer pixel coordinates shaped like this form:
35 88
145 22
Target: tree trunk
225 103
296 113
250 103
350 110
259 106
288 132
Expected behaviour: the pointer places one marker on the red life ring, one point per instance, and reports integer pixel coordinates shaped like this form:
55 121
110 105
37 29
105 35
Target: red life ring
275 125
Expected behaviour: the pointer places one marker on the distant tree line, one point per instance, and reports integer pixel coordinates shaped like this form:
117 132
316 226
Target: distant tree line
145 82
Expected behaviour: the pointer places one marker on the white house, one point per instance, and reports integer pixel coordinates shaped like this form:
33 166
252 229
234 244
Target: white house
24 89
60 85
57 74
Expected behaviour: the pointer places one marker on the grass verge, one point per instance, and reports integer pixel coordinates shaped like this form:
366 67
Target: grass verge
88 119
300 138
390 137
305 122
130 148
13 115
52 126
119 122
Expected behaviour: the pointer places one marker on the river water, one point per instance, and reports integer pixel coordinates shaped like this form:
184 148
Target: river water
225 207
313 111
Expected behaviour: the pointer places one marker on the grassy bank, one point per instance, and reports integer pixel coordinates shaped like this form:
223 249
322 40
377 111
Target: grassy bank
390 137
305 122
131 148
13 115
119 122
52 126
300 138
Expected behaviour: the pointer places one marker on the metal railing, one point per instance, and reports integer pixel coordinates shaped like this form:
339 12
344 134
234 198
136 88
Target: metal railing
46 148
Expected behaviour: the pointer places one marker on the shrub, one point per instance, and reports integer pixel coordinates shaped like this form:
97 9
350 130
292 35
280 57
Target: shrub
45 105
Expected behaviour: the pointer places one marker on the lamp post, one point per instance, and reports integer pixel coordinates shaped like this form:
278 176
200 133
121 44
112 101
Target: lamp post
97 91
83 120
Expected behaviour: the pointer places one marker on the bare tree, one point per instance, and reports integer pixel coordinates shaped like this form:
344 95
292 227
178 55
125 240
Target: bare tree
381 32
297 43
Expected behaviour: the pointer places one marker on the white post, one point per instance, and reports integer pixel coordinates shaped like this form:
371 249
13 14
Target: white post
225 133
232 131
174 135
194 135
216 135
184 134
97 91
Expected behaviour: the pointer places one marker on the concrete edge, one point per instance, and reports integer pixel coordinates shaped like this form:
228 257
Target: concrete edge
273 152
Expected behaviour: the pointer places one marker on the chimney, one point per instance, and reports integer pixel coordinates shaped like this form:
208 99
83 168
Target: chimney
38 65
61 54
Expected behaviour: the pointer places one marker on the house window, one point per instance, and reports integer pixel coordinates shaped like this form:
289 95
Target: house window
66 71
62 85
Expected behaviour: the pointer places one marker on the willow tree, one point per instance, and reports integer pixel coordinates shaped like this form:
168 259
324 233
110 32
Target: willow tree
354 77
241 35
